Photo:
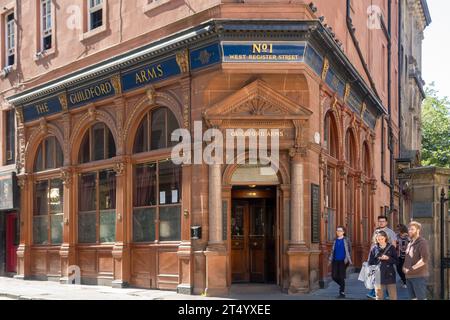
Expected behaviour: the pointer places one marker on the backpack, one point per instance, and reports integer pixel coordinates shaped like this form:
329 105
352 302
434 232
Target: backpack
402 244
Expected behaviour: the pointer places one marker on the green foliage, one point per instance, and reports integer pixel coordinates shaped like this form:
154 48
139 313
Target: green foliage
435 129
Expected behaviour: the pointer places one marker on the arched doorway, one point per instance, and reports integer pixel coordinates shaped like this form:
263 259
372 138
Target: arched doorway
254 224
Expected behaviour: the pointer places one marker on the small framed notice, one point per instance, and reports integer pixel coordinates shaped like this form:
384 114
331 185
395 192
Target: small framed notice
162 197
174 196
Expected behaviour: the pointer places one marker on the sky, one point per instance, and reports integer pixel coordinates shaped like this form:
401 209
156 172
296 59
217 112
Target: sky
436 47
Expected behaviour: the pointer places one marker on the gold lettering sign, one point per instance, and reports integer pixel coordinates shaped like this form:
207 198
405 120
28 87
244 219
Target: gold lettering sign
42 108
96 91
144 76
262 47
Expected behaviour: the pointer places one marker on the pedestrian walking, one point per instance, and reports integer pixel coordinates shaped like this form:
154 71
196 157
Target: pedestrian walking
416 263
384 254
402 244
392 239
383 226
340 258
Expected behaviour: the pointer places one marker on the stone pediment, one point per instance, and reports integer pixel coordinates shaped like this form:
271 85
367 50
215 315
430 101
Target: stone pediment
257 101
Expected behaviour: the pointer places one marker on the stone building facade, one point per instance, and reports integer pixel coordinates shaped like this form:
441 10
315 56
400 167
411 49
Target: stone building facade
97 88
415 17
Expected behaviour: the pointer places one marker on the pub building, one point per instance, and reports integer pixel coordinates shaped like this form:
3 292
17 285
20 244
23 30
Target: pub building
98 189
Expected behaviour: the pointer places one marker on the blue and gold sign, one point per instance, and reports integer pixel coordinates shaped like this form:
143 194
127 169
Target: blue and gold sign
150 73
42 108
261 51
205 56
93 92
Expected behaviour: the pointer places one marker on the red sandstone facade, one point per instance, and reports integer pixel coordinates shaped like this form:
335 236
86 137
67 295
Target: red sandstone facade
327 144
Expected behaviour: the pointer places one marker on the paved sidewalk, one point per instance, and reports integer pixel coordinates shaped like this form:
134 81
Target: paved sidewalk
46 290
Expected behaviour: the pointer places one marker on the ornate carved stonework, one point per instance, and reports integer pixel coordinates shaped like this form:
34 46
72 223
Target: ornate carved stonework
22 180
43 126
182 58
119 167
19 115
92 112
186 97
66 121
63 100
326 66
348 89
151 95
66 176
117 84
20 164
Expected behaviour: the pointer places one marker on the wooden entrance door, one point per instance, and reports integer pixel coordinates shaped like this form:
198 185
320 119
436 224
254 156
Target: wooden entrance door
11 242
253 241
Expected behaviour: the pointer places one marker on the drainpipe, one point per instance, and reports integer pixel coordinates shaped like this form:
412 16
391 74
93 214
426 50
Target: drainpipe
391 133
399 80
351 30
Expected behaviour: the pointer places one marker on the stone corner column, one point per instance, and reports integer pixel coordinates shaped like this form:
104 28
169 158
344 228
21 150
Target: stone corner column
121 249
298 251
67 249
26 223
185 251
216 253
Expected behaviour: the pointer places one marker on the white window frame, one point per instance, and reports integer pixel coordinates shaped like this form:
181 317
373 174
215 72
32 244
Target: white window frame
46 16
10 38
94 6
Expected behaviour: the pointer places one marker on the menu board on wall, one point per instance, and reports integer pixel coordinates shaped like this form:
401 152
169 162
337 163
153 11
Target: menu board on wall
315 213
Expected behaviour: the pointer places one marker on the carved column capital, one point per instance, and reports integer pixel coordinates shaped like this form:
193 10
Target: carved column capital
22 180
66 176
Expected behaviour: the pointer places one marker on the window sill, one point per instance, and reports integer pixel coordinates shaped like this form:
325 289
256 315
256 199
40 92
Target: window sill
44 54
92 33
154 4
6 70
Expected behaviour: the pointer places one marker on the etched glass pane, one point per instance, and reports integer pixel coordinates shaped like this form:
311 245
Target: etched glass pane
144 225
108 226
170 223
40 230
56 231
87 227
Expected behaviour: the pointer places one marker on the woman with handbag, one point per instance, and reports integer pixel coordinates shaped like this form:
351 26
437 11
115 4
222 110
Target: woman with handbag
385 256
340 258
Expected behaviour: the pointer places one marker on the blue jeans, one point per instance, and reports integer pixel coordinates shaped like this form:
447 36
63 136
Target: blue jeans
417 288
372 293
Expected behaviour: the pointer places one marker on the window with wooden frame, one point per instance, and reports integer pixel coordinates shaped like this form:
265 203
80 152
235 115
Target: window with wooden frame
350 151
10 134
46 25
330 136
10 39
157 202
97 207
95 14
49 155
155 131
48 212
97 144
330 202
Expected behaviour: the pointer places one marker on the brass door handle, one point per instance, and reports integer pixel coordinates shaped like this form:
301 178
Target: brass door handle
255 244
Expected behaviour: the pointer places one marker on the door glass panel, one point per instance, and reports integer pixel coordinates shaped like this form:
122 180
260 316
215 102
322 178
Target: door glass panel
257 221
237 221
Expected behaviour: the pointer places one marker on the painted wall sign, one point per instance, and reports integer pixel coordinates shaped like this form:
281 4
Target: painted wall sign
205 56
8 191
313 59
335 82
42 108
93 92
150 73
261 51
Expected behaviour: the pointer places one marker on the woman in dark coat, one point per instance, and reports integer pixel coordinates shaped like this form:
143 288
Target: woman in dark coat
385 255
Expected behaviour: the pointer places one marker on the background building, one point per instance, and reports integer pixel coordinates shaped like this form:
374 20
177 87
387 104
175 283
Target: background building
96 88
